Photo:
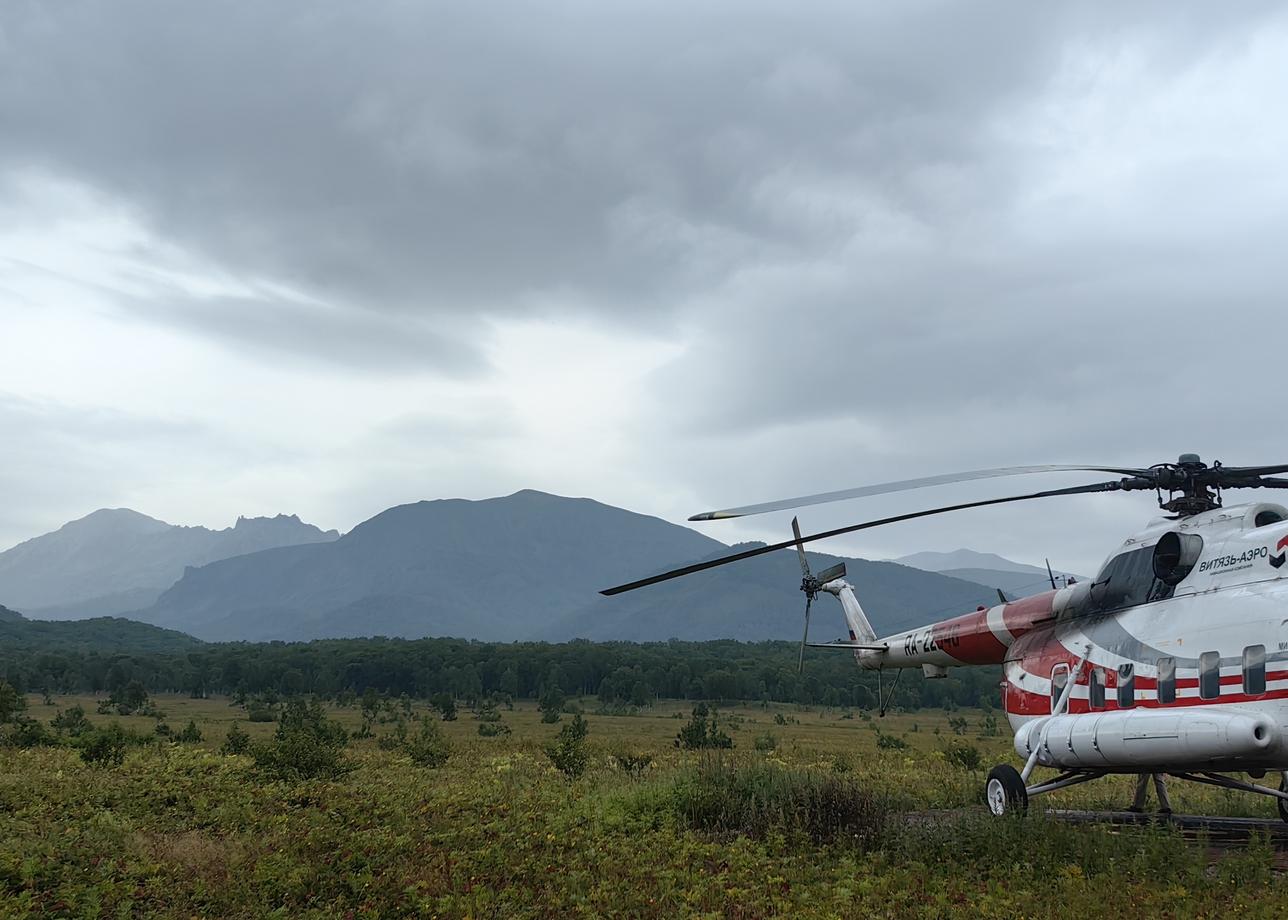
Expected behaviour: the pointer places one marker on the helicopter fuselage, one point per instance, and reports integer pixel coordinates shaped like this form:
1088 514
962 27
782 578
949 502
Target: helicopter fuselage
1190 668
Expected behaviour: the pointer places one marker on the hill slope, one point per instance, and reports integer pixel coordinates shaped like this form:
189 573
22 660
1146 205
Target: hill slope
528 565
116 560
101 634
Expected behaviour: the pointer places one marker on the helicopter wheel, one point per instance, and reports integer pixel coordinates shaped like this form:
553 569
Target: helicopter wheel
1005 793
1283 804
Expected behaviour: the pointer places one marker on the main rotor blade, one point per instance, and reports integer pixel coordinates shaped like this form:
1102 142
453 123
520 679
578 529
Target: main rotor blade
800 548
1111 486
1240 471
904 485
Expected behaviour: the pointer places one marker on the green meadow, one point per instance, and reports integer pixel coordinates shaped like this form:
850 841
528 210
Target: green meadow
811 812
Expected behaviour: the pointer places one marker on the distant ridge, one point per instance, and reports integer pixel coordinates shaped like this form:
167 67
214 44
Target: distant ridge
117 559
527 565
1015 578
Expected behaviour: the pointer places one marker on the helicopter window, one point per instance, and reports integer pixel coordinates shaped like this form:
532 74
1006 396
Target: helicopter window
1126 686
1096 689
1209 675
1254 670
1266 518
1128 580
1167 680
1059 679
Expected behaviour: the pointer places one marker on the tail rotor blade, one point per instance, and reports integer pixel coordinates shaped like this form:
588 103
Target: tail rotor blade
800 547
1050 574
800 664
832 573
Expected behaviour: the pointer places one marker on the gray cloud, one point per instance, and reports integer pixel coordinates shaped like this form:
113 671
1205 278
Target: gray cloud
890 239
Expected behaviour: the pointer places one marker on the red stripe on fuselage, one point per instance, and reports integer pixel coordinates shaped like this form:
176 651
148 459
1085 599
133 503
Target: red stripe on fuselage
968 639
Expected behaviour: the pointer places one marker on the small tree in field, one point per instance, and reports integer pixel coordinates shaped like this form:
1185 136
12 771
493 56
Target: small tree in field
551 702
568 753
236 742
428 747
445 703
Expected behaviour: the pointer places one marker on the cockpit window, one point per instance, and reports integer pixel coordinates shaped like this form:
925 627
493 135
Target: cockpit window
1127 580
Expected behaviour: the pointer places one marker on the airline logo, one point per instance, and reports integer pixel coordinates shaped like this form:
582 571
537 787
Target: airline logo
1277 561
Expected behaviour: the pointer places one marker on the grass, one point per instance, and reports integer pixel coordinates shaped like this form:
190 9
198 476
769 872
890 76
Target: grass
815 827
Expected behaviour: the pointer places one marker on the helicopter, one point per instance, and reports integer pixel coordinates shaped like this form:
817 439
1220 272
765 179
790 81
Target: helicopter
1172 661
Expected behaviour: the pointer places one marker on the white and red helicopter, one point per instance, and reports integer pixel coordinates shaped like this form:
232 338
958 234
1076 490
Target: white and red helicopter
1172 660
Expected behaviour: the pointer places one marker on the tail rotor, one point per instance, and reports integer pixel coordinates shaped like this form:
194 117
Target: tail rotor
811 584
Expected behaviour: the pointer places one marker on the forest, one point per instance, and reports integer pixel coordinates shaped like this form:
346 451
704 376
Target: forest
618 673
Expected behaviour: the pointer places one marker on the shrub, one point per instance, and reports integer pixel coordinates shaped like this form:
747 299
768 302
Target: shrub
190 734
759 799
445 703
988 726
963 754
634 764
11 702
428 747
71 722
26 732
765 742
494 730
163 730
488 713
307 745
958 724
259 712
568 753
552 701
104 745
890 742
702 731
237 741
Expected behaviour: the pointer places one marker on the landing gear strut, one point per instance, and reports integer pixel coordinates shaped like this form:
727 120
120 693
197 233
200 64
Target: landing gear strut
1005 791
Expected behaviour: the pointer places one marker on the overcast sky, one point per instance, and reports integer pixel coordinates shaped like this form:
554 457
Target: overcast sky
325 258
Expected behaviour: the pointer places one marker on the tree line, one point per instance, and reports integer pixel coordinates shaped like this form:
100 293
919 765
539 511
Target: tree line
622 673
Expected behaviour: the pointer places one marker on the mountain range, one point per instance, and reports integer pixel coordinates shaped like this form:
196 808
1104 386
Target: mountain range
526 566
523 566
117 560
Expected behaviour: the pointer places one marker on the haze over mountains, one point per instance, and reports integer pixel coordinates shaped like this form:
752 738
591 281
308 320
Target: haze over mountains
1015 578
524 566
116 560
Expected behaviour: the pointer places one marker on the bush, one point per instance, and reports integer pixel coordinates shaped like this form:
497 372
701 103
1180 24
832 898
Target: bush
634 764
759 799
445 703
890 742
963 754
26 732
11 702
429 748
568 753
190 734
71 722
259 712
701 732
307 745
104 745
237 741
552 701
765 742
494 730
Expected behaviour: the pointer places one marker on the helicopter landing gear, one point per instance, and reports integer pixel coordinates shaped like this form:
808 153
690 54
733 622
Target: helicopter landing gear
1004 792
1283 805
